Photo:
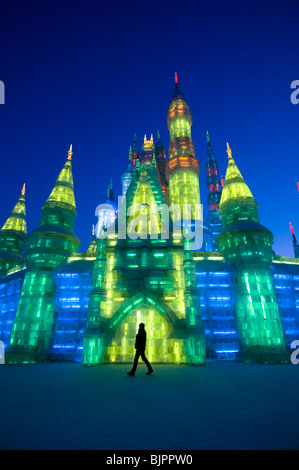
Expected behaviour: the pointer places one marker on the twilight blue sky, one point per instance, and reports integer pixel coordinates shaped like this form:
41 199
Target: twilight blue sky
92 73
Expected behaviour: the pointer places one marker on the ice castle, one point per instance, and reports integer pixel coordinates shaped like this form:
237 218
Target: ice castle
231 299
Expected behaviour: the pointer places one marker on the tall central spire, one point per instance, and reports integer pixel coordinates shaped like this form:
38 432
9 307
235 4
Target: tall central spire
183 166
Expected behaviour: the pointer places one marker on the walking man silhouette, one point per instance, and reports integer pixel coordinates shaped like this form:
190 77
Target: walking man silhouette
140 351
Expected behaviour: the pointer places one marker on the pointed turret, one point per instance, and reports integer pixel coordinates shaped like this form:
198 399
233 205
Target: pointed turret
295 243
127 175
12 236
58 215
61 202
134 145
213 181
110 195
93 244
237 202
247 246
213 178
160 150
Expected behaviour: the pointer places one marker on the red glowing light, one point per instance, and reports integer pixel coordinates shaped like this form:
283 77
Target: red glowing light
291 227
176 80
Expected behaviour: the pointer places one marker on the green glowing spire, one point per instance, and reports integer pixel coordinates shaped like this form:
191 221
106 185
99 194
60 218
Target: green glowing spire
237 201
12 236
63 191
60 207
17 219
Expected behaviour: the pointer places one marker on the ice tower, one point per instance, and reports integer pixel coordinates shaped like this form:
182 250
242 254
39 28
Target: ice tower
47 248
183 166
247 245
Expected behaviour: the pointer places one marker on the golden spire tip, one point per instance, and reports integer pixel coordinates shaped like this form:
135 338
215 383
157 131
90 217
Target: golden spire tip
228 151
70 152
23 190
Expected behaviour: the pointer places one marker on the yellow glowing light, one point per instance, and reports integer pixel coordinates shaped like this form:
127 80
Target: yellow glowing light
70 152
228 151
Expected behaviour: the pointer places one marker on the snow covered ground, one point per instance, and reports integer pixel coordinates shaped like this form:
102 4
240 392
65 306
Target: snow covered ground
220 406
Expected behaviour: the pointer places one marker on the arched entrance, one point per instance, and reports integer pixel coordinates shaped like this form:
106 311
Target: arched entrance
160 323
161 346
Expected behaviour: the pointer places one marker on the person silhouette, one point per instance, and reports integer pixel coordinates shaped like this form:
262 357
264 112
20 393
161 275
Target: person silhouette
140 351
